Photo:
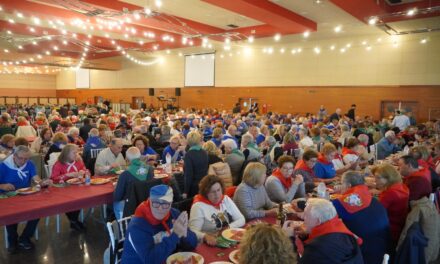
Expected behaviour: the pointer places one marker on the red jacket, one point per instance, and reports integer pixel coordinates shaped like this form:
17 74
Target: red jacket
60 169
396 199
418 185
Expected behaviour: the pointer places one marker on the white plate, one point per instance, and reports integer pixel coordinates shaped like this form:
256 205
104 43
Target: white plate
119 172
229 233
26 191
182 256
233 256
161 176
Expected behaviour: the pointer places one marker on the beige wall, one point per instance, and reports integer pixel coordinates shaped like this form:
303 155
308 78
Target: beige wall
27 81
411 63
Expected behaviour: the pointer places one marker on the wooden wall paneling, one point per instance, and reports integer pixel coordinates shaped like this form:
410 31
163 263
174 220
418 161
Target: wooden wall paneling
53 101
280 99
27 92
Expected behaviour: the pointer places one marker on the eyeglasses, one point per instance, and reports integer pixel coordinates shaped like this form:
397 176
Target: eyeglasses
287 169
163 205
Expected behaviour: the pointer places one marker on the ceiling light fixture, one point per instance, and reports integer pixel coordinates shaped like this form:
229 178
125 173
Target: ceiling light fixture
277 37
338 29
306 34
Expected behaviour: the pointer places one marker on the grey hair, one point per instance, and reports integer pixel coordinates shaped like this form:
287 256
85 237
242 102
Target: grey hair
271 140
72 130
94 132
353 178
247 138
133 153
390 133
229 143
321 209
21 148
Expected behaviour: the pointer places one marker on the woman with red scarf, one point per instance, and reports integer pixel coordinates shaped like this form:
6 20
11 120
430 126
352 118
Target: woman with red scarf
157 230
212 211
283 185
304 167
350 153
394 197
364 216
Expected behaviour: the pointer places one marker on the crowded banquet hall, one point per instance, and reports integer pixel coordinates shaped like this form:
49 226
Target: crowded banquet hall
220 131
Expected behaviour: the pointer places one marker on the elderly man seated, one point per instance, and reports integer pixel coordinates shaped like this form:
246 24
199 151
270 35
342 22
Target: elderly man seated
174 149
327 239
16 172
355 207
387 145
137 171
235 159
157 230
249 148
110 159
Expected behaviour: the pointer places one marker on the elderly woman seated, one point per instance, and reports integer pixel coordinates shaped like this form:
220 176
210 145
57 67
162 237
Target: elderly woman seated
235 159
74 138
137 171
143 144
7 143
175 149
212 211
251 196
264 243
283 185
350 153
69 165
249 148
355 206
157 230
326 238
394 197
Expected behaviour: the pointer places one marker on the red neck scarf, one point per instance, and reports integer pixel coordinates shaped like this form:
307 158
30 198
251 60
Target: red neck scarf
334 225
301 165
346 151
323 159
286 182
399 188
356 199
424 172
144 211
203 199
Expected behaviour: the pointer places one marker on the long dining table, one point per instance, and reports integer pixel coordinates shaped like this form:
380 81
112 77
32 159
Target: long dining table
52 201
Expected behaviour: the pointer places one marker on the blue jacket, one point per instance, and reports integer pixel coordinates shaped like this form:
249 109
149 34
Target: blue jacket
372 225
168 149
324 171
385 148
333 248
140 246
217 142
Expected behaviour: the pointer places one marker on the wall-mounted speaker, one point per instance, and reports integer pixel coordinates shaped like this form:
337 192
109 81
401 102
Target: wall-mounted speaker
151 91
178 92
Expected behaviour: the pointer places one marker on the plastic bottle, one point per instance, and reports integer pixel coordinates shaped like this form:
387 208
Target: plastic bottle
168 167
87 180
322 190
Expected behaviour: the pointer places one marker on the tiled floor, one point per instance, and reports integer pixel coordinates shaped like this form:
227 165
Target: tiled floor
67 247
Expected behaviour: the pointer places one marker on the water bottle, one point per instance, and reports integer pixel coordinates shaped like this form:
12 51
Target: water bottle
321 190
87 181
168 167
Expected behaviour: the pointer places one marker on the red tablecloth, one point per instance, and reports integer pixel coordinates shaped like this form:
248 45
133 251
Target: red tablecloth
212 254
54 201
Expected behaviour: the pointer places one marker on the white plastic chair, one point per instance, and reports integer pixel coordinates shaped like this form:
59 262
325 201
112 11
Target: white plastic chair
386 258
94 152
116 231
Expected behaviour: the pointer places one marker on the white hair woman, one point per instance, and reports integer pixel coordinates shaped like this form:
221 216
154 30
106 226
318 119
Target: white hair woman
235 158
74 138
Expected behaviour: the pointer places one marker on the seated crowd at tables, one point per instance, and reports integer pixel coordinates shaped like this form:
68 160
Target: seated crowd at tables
238 168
